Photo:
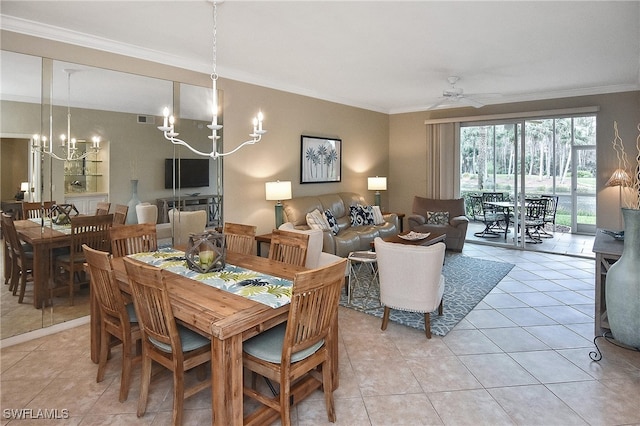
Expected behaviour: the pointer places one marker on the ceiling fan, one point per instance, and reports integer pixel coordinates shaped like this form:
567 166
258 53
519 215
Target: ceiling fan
454 94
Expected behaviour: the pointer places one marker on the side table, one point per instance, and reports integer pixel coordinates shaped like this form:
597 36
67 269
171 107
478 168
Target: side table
363 278
264 238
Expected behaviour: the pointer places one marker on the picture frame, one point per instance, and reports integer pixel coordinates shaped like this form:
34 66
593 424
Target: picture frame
320 159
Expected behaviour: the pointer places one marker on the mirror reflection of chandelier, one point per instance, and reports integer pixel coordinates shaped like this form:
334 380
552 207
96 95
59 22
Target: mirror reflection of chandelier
168 125
68 143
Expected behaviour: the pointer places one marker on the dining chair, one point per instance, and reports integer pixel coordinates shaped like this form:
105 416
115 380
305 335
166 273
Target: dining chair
487 216
120 214
534 219
36 210
173 346
20 257
130 239
185 223
90 230
102 208
549 214
118 321
289 247
410 279
239 238
290 353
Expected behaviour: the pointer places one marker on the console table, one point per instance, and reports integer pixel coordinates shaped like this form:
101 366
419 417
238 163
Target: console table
212 204
608 250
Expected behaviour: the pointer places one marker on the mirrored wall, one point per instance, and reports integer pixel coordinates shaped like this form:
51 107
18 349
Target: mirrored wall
40 96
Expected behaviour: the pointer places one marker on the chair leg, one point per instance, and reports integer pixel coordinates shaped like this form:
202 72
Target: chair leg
125 377
145 378
23 285
440 308
285 401
178 395
427 325
385 318
327 385
104 353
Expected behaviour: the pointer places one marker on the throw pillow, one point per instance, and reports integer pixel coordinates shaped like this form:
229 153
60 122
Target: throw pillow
437 218
378 219
361 215
331 220
317 220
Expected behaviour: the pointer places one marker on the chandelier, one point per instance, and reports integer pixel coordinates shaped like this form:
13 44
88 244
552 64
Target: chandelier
168 124
67 142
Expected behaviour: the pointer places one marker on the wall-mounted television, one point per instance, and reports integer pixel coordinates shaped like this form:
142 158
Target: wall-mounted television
190 172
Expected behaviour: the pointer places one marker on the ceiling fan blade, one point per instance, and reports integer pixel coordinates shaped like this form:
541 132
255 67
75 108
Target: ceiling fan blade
474 103
437 104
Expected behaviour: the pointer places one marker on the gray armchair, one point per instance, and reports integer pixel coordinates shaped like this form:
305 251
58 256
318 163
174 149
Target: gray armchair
455 227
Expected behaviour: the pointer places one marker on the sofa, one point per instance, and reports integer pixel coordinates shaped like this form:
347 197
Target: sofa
349 238
432 215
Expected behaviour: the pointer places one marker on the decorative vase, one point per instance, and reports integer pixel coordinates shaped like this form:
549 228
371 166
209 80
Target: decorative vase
132 216
623 285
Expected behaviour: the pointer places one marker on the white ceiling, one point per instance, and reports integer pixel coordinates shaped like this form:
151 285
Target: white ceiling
387 56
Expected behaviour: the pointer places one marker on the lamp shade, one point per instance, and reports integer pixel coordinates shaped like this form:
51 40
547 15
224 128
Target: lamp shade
619 178
24 186
377 183
278 190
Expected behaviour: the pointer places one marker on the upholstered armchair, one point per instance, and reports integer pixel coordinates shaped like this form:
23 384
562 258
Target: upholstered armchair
432 215
410 279
148 213
316 258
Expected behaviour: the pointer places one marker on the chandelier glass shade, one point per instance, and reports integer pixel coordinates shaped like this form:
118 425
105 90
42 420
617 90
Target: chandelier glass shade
168 125
68 143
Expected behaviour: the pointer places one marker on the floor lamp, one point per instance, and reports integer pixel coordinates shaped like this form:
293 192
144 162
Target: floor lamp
619 178
278 191
377 184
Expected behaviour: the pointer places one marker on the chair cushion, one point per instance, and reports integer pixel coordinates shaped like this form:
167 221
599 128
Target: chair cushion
190 341
268 346
132 312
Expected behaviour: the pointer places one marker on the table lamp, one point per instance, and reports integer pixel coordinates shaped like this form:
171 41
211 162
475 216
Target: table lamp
278 191
619 178
377 184
24 187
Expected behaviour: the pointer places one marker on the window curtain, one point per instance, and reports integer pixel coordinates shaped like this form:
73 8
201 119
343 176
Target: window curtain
443 161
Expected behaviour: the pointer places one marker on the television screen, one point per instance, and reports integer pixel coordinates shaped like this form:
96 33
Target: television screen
190 172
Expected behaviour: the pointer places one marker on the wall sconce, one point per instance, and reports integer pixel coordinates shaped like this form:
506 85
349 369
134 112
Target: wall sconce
377 184
278 191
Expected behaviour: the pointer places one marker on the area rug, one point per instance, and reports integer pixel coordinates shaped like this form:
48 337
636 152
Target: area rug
467 281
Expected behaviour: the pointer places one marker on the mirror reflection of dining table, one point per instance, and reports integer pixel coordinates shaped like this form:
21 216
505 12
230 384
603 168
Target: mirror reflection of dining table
226 317
44 237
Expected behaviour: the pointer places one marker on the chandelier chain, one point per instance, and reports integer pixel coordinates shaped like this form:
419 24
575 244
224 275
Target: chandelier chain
214 74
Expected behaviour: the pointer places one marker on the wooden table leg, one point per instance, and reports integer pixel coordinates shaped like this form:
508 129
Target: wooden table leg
40 274
226 381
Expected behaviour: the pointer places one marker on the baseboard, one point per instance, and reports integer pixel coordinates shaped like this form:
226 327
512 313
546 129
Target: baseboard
45 331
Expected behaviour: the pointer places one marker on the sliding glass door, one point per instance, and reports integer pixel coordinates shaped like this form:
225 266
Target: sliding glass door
530 158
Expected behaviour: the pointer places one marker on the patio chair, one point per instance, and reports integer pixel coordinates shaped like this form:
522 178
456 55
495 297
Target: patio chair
488 217
549 214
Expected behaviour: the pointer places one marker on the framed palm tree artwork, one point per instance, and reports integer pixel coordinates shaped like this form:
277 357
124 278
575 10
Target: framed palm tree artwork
320 160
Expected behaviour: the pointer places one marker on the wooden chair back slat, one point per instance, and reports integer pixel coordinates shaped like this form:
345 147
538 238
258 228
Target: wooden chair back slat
130 239
152 303
36 210
102 208
239 238
120 214
313 307
92 231
289 247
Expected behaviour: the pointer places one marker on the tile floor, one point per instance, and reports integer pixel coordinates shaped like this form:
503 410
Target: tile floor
520 357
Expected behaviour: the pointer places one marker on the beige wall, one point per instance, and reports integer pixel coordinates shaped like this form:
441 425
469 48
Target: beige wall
407 145
15 157
364 135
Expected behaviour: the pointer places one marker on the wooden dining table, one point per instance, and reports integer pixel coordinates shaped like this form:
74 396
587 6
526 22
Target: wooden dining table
43 239
227 319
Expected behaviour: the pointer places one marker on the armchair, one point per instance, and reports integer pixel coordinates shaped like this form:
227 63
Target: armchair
410 279
455 226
